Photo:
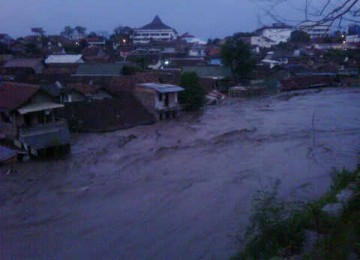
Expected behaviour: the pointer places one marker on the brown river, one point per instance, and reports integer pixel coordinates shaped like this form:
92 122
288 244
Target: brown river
178 189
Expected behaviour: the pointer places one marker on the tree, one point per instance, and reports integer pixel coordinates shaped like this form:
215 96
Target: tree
80 29
123 30
194 94
32 50
238 56
319 13
299 37
68 31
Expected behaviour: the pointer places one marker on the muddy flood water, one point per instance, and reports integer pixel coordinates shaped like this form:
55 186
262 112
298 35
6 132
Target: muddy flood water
178 189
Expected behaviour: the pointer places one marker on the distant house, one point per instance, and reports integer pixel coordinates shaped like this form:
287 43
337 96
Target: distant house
66 59
5 58
27 117
64 94
25 65
259 42
277 32
210 77
59 40
76 92
95 55
306 82
156 31
96 41
100 70
273 59
160 99
5 39
187 37
22 69
181 62
197 51
86 92
214 72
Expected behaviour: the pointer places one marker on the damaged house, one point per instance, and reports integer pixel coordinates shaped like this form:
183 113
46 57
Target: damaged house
27 118
160 99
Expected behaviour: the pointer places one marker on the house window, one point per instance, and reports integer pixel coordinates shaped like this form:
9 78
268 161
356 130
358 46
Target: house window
160 97
5 118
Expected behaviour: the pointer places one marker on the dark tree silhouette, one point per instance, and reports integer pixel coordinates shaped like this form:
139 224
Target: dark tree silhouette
325 12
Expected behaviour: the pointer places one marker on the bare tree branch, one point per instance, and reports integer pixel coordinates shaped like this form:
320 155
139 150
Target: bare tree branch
328 13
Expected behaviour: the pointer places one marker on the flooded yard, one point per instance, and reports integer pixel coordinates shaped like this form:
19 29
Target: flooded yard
177 189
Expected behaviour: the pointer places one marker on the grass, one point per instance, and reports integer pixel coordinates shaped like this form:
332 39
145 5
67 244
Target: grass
278 228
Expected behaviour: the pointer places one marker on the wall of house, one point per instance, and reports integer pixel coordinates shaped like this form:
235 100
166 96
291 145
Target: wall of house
7 129
173 99
102 94
74 96
106 115
144 36
41 97
149 99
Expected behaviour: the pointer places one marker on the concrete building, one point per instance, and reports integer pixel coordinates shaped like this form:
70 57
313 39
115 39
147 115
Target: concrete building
160 99
314 30
276 33
156 31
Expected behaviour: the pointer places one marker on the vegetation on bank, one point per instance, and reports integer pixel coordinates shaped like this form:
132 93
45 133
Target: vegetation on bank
193 96
281 229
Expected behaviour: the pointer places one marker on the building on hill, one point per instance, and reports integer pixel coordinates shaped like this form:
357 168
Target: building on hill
277 32
156 31
315 30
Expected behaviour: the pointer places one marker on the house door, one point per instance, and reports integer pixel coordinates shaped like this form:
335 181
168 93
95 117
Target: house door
27 119
166 100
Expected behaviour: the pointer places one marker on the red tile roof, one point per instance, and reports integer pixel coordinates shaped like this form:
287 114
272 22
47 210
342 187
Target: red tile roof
14 95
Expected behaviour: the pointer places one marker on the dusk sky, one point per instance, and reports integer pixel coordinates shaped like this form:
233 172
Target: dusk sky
203 18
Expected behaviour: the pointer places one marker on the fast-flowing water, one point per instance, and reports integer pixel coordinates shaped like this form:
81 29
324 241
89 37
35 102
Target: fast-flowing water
178 189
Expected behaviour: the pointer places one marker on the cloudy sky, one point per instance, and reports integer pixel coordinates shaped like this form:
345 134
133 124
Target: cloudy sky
203 18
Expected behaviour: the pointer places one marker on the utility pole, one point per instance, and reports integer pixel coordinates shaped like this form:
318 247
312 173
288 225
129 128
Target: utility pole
306 10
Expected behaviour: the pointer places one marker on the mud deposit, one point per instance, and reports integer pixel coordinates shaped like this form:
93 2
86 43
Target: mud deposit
178 189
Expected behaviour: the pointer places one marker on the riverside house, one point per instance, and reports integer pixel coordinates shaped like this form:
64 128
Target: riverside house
27 119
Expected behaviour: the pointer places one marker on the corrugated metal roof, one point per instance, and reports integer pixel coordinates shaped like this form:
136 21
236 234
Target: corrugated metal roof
64 59
38 107
161 88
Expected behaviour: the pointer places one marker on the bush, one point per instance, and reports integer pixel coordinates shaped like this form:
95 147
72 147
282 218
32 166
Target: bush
194 95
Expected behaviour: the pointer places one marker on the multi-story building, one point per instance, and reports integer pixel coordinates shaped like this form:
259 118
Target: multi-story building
156 30
276 33
315 30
